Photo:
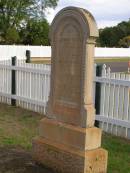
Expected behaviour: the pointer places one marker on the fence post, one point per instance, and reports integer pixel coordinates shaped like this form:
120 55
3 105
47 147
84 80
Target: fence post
98 92
28 56
13 81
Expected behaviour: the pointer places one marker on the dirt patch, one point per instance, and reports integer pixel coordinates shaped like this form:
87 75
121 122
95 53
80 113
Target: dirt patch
17 160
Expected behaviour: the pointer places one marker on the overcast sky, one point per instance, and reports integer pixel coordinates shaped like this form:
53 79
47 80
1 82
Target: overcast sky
106 12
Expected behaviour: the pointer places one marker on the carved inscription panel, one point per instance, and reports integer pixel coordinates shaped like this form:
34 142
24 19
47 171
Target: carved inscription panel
67 88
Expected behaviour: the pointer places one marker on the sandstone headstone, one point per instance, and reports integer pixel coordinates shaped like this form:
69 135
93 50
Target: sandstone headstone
68 142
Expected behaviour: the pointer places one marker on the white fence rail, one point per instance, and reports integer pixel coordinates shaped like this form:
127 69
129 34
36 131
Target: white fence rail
33 85
115 102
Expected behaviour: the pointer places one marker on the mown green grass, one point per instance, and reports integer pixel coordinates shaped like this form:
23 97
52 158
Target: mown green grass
18 127
105 60
119 153
96 60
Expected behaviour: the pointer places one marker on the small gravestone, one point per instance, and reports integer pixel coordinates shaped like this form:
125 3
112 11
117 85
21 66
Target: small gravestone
68 142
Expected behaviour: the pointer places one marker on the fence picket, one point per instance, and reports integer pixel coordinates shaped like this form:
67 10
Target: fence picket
116 103
103 86
120 130
126 103
111 102
107 98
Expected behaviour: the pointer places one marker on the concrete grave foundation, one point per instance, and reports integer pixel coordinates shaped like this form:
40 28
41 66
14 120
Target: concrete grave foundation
68 142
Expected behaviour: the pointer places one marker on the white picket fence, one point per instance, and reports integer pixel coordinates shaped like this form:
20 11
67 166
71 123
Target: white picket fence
33 85
115 102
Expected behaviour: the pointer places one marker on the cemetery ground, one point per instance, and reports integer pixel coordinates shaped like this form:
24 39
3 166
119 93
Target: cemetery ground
17 129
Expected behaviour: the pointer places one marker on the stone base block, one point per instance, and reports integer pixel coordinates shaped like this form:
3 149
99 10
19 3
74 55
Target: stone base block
69 135
69 160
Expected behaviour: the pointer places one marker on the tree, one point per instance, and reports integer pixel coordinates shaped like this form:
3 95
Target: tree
125 42
12 36
12 13
36 32
17 13
110 36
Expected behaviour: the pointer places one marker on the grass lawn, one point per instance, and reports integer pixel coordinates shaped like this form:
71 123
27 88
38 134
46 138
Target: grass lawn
96 60
19 126
105 60
119 153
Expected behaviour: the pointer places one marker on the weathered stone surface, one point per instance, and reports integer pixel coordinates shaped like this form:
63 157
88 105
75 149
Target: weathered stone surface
68 160
72 44
77 137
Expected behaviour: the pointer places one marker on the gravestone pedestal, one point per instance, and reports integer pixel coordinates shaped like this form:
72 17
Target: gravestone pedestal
68 142
69 149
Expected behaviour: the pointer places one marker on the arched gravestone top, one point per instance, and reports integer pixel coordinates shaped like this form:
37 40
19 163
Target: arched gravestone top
73 33
84 17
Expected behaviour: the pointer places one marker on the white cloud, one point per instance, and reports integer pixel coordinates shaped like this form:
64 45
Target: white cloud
106 12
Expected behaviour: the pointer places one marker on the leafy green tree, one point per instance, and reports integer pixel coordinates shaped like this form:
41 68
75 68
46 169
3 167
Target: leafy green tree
36 32
12 13
125 42
110 36
12 36
17 13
